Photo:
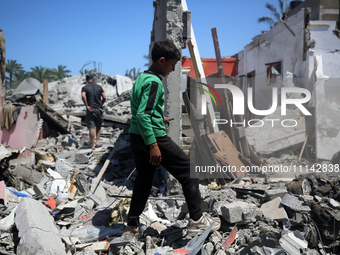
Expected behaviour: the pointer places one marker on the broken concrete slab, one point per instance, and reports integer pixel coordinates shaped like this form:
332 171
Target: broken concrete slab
240 212
40 191
294 203
51 116
274 193
83 156
37 231
273 210
124 84
264 244
26 174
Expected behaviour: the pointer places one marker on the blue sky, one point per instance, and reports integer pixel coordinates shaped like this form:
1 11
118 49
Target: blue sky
116 33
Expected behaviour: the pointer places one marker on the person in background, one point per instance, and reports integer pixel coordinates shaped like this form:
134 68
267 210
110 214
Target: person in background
93 97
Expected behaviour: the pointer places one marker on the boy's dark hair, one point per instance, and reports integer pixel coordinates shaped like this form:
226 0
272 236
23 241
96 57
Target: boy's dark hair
165 49
89 77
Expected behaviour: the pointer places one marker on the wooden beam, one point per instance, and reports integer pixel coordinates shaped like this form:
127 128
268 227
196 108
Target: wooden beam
221 75
199 73
45 91
284 23
102 171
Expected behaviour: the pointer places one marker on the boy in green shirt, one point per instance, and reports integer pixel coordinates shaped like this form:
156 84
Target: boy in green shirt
152 147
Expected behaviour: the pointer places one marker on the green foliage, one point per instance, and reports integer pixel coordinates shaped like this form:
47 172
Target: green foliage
16 74
146 57
62 72
12 67
87 71
41 73
132 73
277 15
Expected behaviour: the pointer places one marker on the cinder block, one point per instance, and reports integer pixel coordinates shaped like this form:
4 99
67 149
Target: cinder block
240 212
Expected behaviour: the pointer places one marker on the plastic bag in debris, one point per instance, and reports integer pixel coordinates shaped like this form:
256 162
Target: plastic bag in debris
63 168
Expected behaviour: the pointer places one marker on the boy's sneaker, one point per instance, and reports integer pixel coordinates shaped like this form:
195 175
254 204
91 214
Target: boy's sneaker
131 231
199 226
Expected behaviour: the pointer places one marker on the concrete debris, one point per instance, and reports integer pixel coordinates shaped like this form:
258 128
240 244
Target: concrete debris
124 84
273 210
240 212
37 231
293 243
294 203
47 207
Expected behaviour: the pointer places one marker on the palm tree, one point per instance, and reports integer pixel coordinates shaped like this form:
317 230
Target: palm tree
61 72
19 76
132 73
11 67
41 73
86 71
146 57
275 13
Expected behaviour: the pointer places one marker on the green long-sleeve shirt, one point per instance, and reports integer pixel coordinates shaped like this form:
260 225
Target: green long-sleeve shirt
147 107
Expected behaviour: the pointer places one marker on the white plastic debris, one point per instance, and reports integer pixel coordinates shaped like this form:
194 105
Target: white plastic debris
7 223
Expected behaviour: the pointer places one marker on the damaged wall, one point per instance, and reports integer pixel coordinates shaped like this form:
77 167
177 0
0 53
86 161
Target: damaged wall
327 90
26 130
2 67
276 45
310 50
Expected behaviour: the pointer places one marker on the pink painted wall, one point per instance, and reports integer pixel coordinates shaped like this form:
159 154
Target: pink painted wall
26 130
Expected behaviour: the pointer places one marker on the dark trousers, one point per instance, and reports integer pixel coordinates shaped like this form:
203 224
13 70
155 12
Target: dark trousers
175 161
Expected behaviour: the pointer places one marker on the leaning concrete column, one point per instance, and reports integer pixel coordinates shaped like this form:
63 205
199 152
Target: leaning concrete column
168 24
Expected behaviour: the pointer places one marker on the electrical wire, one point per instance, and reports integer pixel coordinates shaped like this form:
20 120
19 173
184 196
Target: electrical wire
317 229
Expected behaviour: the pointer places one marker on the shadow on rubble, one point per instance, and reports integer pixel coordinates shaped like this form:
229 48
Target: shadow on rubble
121 171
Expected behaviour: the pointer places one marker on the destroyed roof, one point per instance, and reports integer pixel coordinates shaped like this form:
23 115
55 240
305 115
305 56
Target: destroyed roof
28 87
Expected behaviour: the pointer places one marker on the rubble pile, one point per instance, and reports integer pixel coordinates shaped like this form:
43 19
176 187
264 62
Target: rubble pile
50 202
65 96
47 206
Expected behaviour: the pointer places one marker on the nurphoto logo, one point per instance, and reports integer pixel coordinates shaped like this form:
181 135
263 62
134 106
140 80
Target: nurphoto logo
238 104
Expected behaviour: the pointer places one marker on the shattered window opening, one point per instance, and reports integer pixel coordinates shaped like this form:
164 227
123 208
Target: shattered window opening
274 70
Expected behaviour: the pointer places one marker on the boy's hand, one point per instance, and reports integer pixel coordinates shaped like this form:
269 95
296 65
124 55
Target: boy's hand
155 155
166 121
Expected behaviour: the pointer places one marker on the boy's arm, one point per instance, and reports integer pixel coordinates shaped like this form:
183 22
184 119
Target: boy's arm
143 119
103 97
83 97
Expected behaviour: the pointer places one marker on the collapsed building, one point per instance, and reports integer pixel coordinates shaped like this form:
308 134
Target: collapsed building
57 196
